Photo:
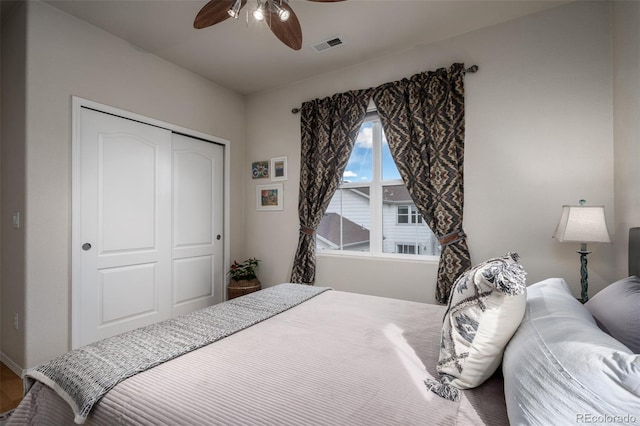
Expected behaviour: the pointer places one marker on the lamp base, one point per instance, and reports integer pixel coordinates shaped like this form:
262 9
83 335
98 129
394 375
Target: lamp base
584 274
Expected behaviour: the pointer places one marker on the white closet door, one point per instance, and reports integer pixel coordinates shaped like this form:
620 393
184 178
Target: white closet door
197 240
125 230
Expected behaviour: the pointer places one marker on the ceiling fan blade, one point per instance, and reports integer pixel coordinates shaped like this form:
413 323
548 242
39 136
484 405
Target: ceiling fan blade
288 32
214 12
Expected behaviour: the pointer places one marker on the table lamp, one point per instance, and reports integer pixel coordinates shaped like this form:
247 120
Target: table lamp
582 224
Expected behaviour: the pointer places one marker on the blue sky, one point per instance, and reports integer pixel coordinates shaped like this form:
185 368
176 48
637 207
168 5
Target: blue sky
359 168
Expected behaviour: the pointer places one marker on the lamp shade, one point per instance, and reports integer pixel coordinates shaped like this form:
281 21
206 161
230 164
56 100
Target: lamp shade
583 224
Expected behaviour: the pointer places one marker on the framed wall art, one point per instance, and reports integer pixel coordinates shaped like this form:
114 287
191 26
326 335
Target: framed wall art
260 169
270 197
279 168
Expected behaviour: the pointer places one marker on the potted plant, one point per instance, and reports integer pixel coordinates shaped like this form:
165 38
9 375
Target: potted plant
243 277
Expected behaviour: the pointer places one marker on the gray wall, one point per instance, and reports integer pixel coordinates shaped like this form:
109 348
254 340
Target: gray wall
539 135
65 57
626 104
12 155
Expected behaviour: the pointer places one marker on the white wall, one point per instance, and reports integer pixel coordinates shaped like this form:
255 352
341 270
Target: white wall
626 61
539 135
65 57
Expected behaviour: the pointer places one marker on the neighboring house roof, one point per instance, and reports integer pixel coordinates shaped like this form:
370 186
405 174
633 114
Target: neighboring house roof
396 194
352 233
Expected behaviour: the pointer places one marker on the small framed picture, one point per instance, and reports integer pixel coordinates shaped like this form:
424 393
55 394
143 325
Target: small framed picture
269 197
279 168
260 169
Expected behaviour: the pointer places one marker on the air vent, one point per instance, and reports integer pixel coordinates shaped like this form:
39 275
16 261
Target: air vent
328 44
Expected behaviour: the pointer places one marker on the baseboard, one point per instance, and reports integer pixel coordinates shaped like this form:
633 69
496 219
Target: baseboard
12 365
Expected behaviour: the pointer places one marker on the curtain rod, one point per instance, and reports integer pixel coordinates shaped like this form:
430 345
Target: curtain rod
471 69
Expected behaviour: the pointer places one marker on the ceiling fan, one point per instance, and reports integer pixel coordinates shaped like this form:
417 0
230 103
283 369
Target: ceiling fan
277 13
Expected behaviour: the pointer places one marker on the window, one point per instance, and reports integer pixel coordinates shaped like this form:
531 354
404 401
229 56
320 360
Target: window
408 214
372 211
408 249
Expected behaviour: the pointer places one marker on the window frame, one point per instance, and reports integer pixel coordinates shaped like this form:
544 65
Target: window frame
376 186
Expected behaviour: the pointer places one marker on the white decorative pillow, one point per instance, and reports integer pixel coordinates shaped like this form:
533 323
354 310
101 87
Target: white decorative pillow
560 368
616 309
486 306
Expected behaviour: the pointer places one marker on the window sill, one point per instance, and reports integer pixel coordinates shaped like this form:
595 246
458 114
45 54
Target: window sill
384 256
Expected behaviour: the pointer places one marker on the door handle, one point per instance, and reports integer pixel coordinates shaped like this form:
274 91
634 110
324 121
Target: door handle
218 237
86 247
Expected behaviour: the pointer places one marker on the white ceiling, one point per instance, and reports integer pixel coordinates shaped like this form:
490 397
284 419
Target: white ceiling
247 58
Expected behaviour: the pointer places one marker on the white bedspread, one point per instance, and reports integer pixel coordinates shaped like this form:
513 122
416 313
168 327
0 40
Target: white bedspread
337 359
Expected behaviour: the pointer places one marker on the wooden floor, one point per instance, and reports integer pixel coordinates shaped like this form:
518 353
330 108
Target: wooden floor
10 389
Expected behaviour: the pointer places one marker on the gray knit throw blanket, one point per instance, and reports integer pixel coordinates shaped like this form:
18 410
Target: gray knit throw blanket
83 376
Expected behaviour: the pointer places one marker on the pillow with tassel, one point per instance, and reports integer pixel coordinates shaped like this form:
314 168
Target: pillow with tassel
486 306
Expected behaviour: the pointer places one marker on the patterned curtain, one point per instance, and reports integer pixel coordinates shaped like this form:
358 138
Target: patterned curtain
329 130
423 120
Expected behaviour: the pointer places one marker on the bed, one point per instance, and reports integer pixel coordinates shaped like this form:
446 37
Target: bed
339 358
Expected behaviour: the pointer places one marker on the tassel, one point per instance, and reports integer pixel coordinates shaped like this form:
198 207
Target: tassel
443 390
508 278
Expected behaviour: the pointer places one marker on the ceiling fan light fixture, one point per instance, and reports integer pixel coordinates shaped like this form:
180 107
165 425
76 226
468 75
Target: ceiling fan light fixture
283 14
234 11
258 14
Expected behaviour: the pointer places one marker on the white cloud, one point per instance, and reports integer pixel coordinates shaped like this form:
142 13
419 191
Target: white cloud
365 138
349 174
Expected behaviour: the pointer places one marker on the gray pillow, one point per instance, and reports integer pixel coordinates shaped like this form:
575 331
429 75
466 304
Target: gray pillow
560 368
616 310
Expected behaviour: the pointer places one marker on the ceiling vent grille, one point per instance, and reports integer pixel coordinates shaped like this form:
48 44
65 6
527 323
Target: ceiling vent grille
328 44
